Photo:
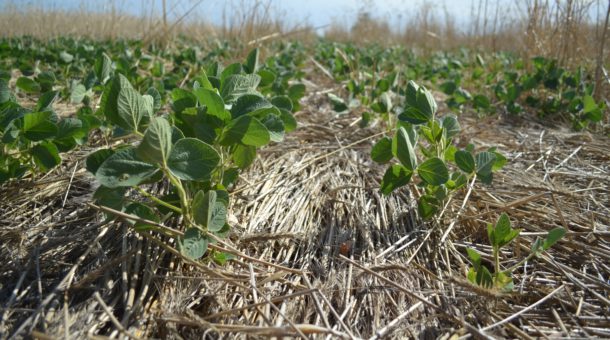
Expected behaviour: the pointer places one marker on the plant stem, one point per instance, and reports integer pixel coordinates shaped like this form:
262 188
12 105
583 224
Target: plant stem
157 200
496 253
181 193
529 257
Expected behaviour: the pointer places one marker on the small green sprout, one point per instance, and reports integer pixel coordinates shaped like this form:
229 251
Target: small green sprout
500 235
423 146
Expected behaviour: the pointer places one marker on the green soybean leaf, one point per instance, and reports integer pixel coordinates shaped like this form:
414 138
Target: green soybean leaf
382 151
244 155
502 230
103 67
448 87
95 159
46 80
10 115
589 104
296 92
500 161
206 127
275 126
70 132
222 258
28 85
337 103
46 155
472 275
204 81
456 181
46 100
222 195
70 127
79 91
193 244
110 197
491 235
132 107
208 211
124 169
192 160
426 103
432 132
290 123
212 100
5 75
395 177
591 110
404 149
108 103
11 133
156 96
249 104
5 92
247 130
144 212
232 174
475 257
267 77
484 277
156 145
214 69
176 134
38 126
233 69
465 161
66 57
365 119
504 281
511 236
147 107
552 238
481 102
237 85
411 93
427 206
433 171
383 85
537 246
384 104
182 100
251 65
450 126
485 161
413 115
282 102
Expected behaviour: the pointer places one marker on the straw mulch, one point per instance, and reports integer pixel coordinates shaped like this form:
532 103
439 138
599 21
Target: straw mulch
319 251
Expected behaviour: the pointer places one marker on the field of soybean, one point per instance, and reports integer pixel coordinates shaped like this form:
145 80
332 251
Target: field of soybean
288 184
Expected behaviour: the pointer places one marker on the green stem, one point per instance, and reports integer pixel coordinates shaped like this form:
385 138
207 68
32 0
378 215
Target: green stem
222 167
181 193
496 253
157 200
529 257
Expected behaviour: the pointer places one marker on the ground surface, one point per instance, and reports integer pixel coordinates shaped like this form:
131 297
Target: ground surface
320 252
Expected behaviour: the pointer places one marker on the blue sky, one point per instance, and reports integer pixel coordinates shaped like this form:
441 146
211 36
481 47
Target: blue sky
315 12
318 12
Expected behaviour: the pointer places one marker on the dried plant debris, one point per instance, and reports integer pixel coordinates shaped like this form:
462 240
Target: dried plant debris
315 248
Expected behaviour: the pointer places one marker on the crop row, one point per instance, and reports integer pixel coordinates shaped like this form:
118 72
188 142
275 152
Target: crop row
195 127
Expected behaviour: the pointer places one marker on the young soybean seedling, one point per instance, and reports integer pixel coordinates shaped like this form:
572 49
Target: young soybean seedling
423 146
500 235
214 131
